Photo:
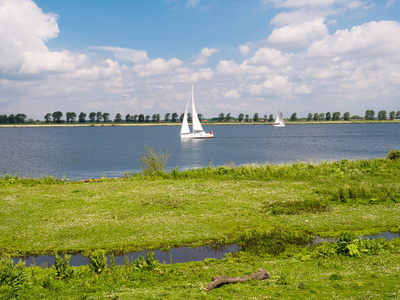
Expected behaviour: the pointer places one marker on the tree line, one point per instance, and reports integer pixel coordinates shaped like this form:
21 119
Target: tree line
97 117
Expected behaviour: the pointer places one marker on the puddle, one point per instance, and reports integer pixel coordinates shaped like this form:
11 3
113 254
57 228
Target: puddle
175 255
386 235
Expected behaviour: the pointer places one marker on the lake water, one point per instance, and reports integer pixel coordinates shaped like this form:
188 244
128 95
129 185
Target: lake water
90 152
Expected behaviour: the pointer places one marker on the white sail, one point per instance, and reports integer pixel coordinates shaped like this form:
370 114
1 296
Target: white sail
279 120
196 122
185 126
198 131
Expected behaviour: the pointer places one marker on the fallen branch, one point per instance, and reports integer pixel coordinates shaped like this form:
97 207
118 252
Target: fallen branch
218 280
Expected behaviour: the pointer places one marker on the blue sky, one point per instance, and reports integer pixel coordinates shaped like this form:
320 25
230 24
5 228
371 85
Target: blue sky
242 56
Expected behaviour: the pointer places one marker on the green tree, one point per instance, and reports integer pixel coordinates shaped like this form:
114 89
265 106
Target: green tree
228 117
105 117
99 116
398 114
189 116
321 116
181 117
328 116
47 118
57 116
346 116
271 118
82 117
11 119
3 119
256 118
174 117
336 116
200 116
147 118
20 118
221 117
92 117
392 115
369 115
135 118
293 117
141 118
309 117
70 116
241 117
128 118
118 118
382 115
316 117
247 118
166 117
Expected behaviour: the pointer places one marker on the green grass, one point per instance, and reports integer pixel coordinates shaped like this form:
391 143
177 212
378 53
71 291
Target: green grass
197 206
270 209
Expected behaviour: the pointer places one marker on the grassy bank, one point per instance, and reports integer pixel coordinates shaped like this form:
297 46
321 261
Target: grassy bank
198 206
271 210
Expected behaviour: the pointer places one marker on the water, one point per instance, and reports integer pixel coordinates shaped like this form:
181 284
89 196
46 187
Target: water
174 255
91 152
177 255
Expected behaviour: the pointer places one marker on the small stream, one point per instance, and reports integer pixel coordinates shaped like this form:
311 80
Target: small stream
174 255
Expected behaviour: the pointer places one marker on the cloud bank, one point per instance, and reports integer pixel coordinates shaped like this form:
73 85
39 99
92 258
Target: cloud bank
301 66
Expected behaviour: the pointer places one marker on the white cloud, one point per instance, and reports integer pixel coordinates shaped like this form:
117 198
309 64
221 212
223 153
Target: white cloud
202 57
25 30
298 35
232 94
156 66
203 74
270 57
370 39
244 50
124 54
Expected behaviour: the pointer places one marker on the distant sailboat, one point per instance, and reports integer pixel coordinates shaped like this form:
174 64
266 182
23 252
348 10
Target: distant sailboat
279 120
198 131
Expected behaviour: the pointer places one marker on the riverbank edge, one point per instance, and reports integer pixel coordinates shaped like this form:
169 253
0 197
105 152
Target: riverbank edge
204 123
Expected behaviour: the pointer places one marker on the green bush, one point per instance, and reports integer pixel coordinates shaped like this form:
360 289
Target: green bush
98 261
62 267
153 163
393 154
12 277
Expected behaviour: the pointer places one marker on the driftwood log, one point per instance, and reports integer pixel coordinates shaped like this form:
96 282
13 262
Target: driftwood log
218 280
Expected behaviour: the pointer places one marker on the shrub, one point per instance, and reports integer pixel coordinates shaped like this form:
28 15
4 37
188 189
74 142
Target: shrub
12 277
153 163
62 267
98 261
393 154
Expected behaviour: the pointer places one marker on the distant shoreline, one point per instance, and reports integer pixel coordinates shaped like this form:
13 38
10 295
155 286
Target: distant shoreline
205 124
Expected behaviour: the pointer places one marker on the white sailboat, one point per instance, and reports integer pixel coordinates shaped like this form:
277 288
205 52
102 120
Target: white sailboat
198 131
279 120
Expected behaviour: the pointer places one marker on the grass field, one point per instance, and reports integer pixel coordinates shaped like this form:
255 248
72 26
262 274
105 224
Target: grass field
194 207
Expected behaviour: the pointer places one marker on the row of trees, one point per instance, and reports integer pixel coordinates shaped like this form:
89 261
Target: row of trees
71 117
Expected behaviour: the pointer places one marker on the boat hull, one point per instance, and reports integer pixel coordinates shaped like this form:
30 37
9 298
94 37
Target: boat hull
197 135
278 125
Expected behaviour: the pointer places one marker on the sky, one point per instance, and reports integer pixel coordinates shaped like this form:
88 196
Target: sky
241 56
